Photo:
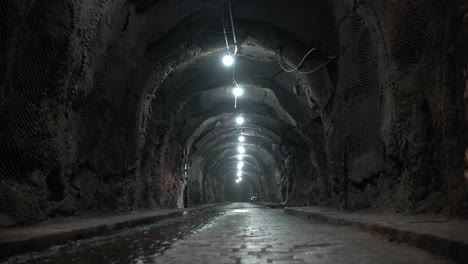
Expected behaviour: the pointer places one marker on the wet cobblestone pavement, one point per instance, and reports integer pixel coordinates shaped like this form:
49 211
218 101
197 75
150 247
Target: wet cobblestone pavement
234 233
259 235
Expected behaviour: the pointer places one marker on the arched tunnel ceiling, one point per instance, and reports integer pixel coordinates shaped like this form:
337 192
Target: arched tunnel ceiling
206 76
257 126
194 94
190 88
199 89
316 26
250 132
198 69
259 157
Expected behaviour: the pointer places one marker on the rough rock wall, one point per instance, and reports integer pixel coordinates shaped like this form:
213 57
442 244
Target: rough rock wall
36 135
195 182
392 125
69 134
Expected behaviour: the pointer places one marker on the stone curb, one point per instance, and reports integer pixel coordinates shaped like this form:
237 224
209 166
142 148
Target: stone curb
443 246
48 235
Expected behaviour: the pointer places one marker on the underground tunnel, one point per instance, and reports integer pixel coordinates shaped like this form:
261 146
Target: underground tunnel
233 109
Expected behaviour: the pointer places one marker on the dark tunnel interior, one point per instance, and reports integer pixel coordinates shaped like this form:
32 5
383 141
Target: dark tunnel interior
114 106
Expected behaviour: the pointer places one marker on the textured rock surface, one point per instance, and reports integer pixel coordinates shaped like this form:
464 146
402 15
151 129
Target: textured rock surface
103 103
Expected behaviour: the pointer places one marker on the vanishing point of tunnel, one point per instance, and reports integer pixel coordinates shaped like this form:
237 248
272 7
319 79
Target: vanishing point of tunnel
233 131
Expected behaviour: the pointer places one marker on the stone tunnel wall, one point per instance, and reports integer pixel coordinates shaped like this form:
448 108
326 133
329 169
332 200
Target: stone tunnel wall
74 138
392 118
71 132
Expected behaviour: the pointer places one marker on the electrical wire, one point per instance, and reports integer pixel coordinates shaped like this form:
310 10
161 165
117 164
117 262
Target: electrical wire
321 66
234 75
300 63
233 29
316 69
235 42
227 42
225 33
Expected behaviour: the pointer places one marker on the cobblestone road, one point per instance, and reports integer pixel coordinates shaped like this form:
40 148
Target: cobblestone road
245 234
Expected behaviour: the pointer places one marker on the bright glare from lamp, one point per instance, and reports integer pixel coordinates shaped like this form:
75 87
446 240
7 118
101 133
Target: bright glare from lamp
237 91
240 120
241 139
238 180
241 149
239 157
240 165
228 60
239 173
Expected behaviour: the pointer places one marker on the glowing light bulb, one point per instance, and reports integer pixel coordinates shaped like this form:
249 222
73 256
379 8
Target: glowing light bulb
241 149
240 165
237 91
241 139
240 120
228 60
239 157
239 173
237 181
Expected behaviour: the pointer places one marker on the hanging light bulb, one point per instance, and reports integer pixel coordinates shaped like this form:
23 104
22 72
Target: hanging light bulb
239 179
241 149
240 165
241 138
239 157
239 173
228 60
237 91
240 120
